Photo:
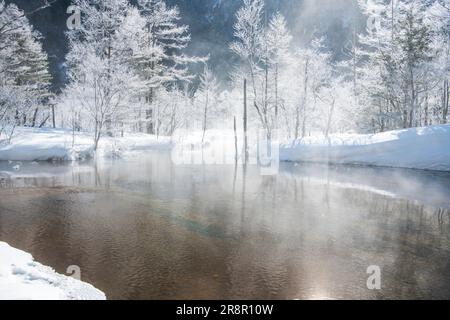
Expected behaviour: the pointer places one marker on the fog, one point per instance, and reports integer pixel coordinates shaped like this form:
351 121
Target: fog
211 25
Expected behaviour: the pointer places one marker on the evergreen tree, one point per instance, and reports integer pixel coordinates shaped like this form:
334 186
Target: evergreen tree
23 67
162 61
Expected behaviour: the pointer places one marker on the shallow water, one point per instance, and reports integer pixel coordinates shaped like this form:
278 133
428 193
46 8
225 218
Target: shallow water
143 228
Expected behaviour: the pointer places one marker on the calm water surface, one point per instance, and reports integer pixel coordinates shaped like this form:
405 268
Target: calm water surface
143 228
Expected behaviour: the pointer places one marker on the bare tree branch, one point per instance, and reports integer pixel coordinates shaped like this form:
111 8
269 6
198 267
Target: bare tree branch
44 5
445 4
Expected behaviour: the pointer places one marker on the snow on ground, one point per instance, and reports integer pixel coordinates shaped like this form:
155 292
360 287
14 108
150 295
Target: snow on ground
425 148
21 278
418 148
218 147
32 144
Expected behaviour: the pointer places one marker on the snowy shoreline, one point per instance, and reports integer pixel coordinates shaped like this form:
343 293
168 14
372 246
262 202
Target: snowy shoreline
22 278
47 144
426 148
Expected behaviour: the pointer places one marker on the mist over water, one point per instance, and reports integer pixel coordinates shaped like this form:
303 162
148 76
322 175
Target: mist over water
143 228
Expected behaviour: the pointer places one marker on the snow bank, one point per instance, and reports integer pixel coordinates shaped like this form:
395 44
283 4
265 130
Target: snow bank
21 278
418 148
31 144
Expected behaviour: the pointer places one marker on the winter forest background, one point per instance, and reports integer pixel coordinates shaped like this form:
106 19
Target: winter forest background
153 66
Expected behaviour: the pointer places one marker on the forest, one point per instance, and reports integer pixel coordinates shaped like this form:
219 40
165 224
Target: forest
128 72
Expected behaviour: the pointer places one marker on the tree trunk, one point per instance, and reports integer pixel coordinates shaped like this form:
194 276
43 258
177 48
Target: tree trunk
246 155
149 121
33 121
205 118
44 122
97 134
108 124
17 118
53 116
297 122
150 113
305 98
446 98
413 99
426 109
276 96
236 152
330 119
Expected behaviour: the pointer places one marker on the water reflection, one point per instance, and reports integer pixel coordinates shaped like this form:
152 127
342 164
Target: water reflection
142 228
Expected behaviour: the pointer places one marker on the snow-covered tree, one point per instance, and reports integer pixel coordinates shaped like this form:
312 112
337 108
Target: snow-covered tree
335 110
173 107
250 46
207 97
100 64
438 17
414 41
278 43
23 68
263 47
400 51
162 60
311 70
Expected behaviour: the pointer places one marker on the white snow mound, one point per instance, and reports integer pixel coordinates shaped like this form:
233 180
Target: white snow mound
426 148
21 278
43 144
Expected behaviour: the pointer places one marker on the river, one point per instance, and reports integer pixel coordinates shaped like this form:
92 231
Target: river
145 228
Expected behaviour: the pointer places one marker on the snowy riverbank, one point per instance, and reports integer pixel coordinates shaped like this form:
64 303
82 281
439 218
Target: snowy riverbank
31 144
425 148
418 148
21 278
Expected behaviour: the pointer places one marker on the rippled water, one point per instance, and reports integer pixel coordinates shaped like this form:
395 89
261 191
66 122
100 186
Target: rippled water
142 228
